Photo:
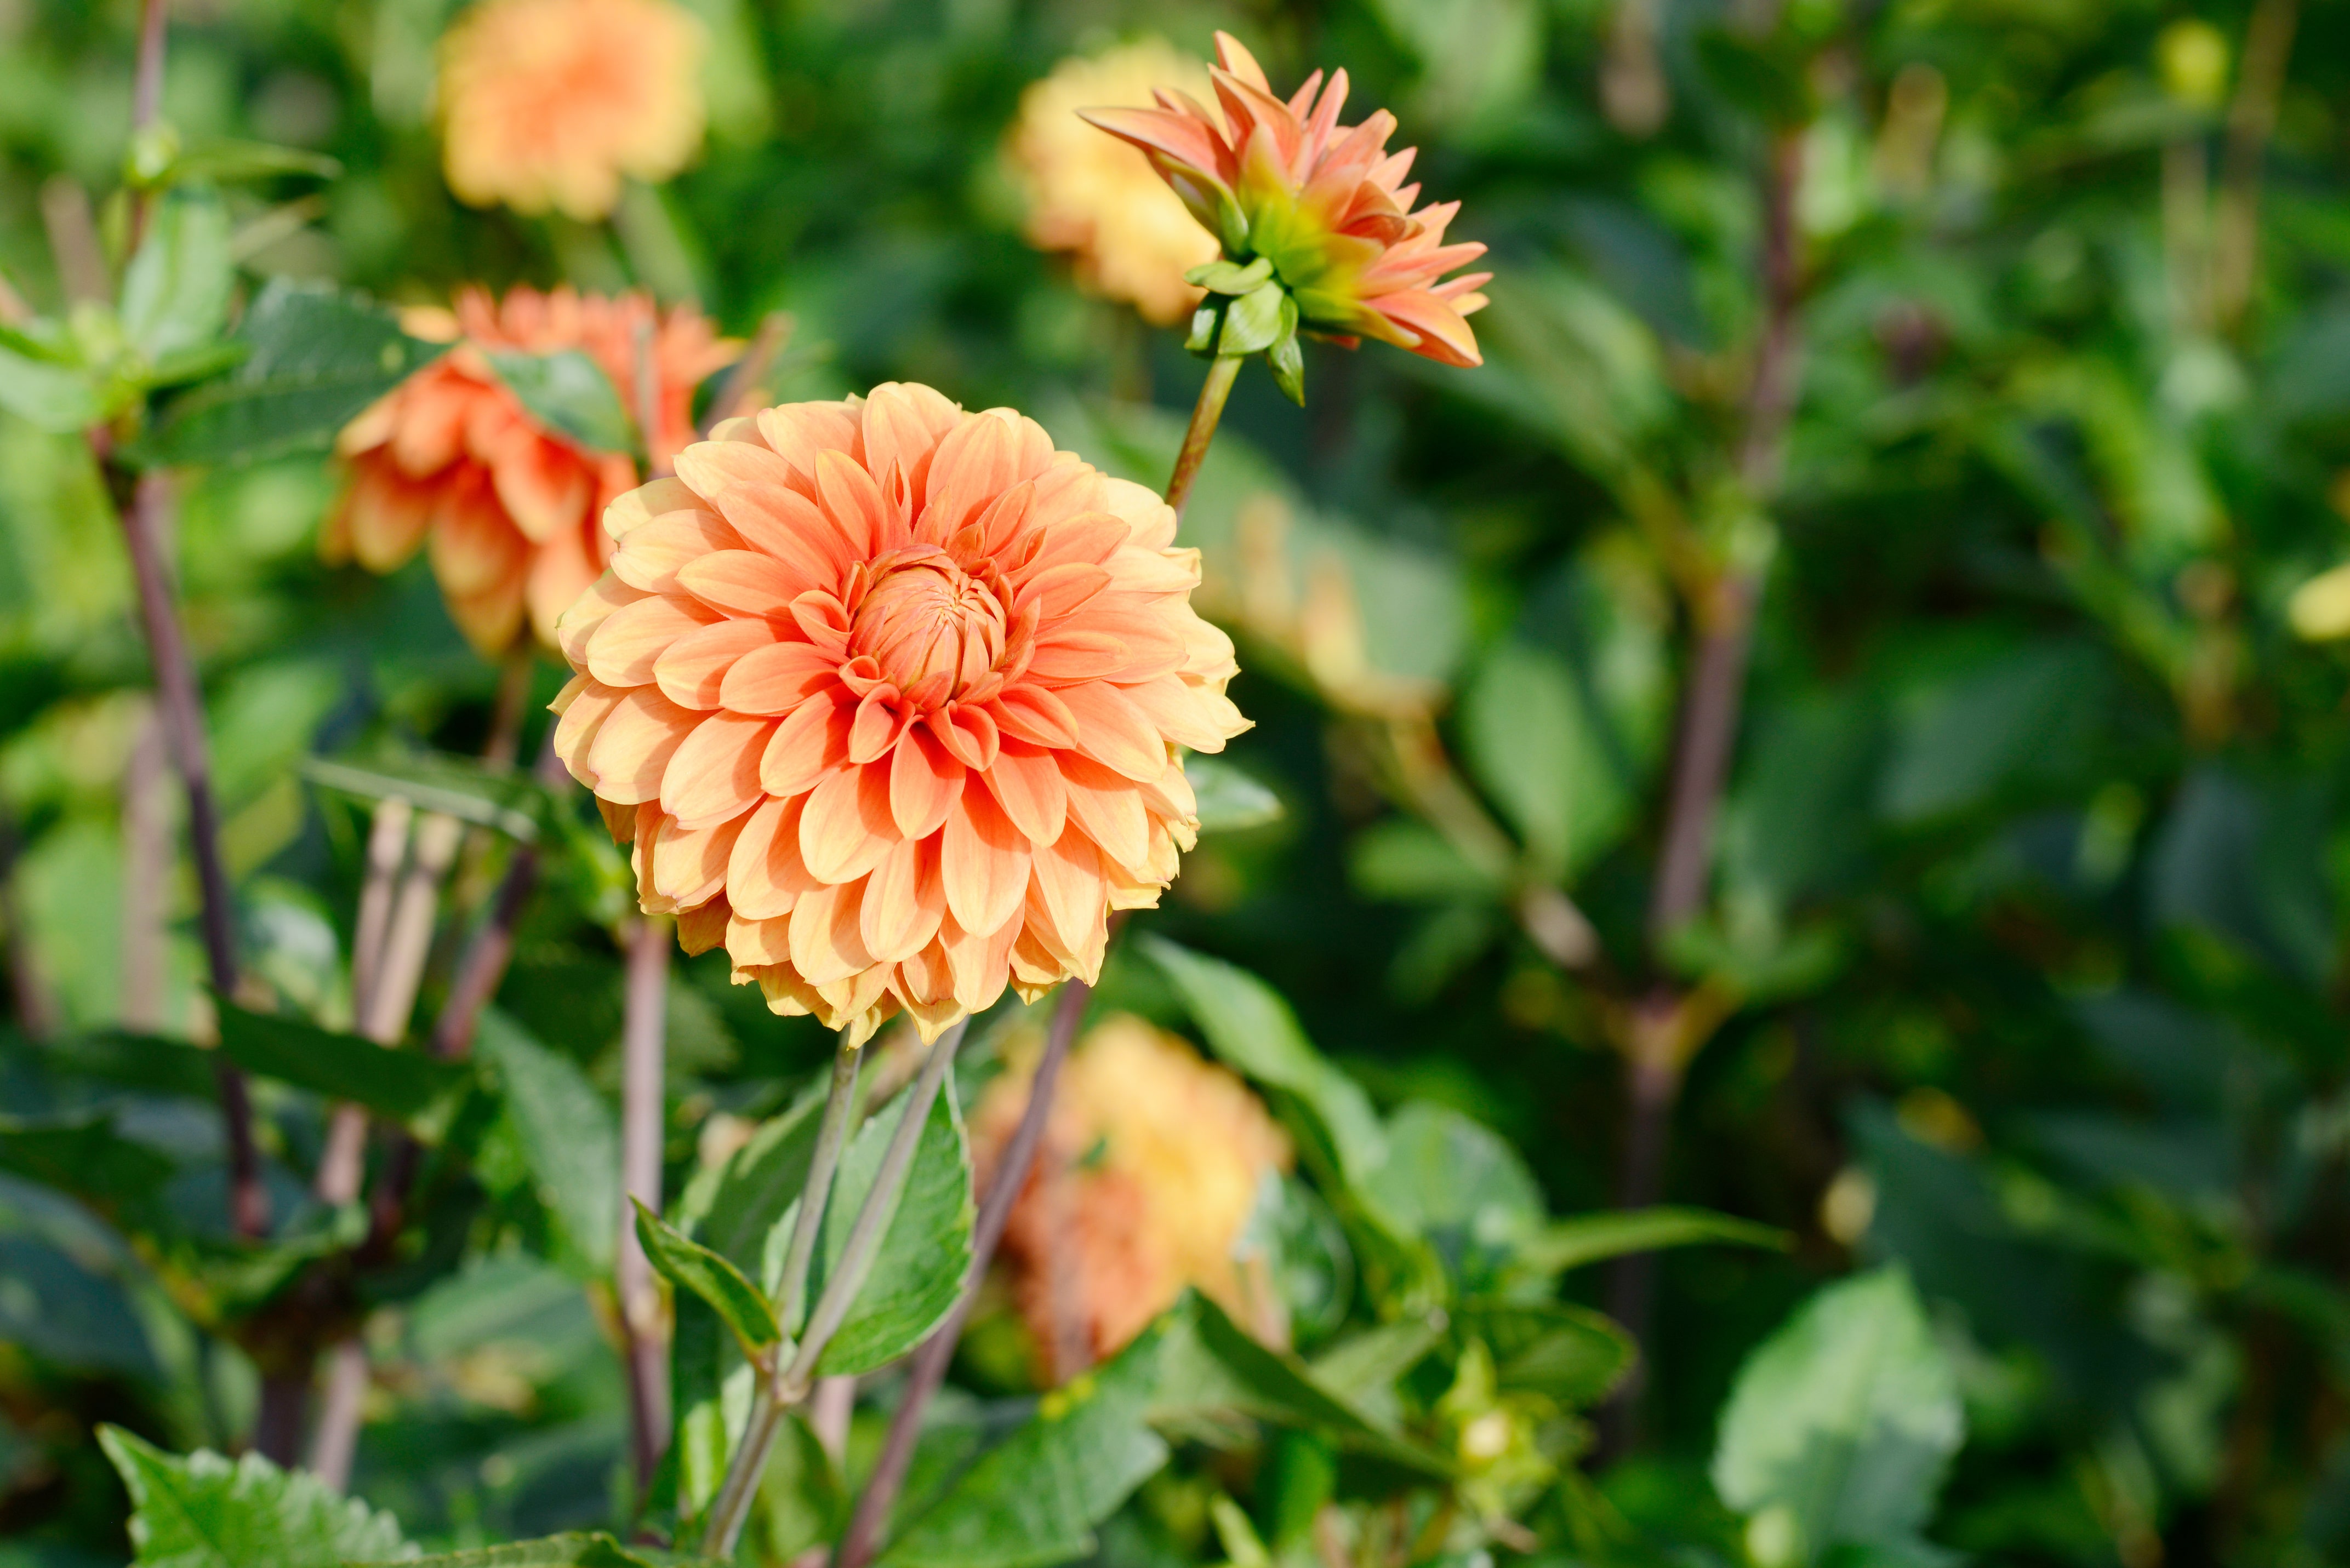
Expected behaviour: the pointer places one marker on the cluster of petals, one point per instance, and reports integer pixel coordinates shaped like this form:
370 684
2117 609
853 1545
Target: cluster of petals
888 697
1130 237
551 103
508 506
1326 203
1151 1165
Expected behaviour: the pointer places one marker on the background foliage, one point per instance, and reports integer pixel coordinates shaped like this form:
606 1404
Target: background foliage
2020 971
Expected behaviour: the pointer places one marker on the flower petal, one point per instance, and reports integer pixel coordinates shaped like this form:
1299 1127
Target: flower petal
715 774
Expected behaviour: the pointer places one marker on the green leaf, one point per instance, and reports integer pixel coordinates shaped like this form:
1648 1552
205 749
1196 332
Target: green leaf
319 358
59 399
1035 1497
1455 1181
573 1549
1229 799
738 1214
1287 359
925 1253
207 1512
176 292
1531 743
229 162
569 393
1570 1354
504 798
565 1133
136 1060
1589 1238
692 1266
402 1084
1257 319
1847 1417
81 1153
1220 276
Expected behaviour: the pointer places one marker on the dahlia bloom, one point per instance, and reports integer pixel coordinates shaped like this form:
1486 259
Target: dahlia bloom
888 697
1132 238
1149 1172
509 506
548 103
1326 204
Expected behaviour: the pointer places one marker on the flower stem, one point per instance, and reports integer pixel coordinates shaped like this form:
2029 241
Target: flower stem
788 1387
1223 370
831 1134
928 1368
642 1037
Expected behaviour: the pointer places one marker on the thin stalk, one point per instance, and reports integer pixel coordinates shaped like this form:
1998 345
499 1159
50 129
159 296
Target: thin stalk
147 92
147 857
832 1133
335 1442
2251 119
1223 370
37 1013
642 1042
789 1386
928 1369
181 708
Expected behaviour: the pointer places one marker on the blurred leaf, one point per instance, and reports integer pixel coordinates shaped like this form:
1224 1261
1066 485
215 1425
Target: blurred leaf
62 398
567 1135
1229 799
137 1061
207 1511
1847 1417
574 1548
690 1266
803 1500
512 802
228 163
2018 718
925 1253
403 1084
1405 859
81 1153
568 392
319 357
1765 77
1569 1353
1459 1184
1572 1244
1532 748
176 292
1035 1497
737 1213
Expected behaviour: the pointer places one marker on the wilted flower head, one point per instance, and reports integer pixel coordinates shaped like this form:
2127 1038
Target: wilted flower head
1132 238
509 506
548 103
889 695
1324 203
1150 1167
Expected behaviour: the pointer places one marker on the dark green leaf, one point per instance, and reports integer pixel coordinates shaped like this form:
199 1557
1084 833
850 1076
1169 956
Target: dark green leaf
1570 1354
565 1133
1035 1497
1229 799
926 1253
692 1266
208 1512
735 1214
137 1061
176 292
1847 1417
81 1153
319 356
510 801
1589 1238
1534 746
400 1084
574 1549
569 393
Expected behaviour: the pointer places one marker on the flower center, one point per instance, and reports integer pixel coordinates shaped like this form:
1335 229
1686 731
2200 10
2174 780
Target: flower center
925 618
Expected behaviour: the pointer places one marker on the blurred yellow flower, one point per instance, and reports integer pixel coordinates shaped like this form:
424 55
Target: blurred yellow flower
548 103
2320 608
1150 1170
1132 237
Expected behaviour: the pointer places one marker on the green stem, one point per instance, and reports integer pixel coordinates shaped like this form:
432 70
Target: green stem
792 1297
1205 413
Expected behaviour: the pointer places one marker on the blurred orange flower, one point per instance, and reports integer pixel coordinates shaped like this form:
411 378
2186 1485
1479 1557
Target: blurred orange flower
509 507
1326 204
889 695
548 103
1133 238
1149 1168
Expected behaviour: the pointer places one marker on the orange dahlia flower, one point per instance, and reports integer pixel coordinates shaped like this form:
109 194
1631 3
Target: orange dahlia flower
1131 237
548 103
1150 1167
508 506
1326 204
889 695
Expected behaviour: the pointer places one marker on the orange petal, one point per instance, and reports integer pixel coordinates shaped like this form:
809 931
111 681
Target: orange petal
585 709
1188 715
624 651
1109 808
1114 732
881 720
1030 789
692 669
853 504
981 459
983 862
1067 655
826 945
1037 715
766 877
779 678
1072 894
742 582
714 774
923 784
650 556
633 509
846 827
689 863
755 489
632 748
981 964
577 624
903 902
810 743
563 570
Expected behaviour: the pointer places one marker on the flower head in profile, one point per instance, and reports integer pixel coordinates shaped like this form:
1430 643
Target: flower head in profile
888 696
548 104
1131 237
506 507
1150 1167
1326 205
